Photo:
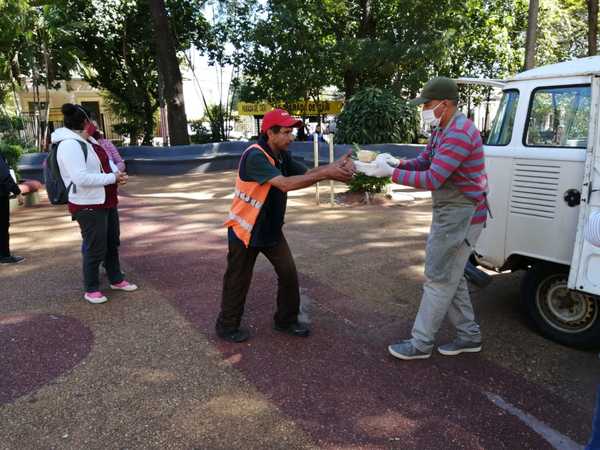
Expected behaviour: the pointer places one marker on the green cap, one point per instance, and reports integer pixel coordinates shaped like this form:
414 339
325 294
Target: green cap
438 88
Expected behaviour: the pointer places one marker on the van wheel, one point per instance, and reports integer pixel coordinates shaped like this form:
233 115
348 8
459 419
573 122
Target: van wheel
569 317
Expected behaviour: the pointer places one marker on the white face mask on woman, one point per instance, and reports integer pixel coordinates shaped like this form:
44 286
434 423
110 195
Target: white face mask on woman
429 118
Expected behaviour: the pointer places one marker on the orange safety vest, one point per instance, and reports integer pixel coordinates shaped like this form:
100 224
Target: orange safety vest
248 199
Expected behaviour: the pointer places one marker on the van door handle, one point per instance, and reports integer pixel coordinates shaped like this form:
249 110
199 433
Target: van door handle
572 197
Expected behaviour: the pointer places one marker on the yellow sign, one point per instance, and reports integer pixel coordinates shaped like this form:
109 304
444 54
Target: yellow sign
294 108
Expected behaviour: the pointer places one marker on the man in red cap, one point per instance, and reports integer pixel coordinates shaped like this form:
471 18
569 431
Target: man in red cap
266 173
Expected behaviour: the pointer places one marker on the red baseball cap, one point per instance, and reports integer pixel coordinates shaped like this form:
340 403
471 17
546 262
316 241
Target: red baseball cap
279 117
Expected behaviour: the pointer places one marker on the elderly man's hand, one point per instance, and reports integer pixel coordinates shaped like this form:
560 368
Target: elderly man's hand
393 162
380 168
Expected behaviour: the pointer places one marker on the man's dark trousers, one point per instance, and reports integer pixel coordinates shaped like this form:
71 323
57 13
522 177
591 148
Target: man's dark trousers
4 224
101 239
236 282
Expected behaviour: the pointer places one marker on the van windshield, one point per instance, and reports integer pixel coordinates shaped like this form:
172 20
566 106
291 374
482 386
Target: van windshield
559 117
502 127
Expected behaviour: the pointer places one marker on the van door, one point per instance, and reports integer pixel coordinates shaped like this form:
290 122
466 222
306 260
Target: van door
585 266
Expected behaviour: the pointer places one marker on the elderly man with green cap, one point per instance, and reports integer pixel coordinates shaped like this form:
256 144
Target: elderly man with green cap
452 166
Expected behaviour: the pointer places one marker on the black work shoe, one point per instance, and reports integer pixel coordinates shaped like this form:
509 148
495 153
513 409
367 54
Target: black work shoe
11 259
294 329
238 335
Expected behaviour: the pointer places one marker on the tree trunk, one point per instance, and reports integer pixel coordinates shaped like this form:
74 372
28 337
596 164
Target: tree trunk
168 66
592 6
368 25
350 79
534 6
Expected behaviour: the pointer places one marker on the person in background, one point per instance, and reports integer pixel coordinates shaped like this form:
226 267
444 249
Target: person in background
318 128
8 189
109 148
319 132
92 182
301 134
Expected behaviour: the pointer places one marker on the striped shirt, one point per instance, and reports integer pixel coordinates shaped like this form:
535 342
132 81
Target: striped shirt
454 153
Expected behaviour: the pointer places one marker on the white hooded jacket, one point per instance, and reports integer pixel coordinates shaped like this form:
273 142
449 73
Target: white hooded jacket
87 176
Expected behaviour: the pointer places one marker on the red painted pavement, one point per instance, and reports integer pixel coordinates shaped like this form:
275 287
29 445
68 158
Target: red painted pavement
36 348
340 385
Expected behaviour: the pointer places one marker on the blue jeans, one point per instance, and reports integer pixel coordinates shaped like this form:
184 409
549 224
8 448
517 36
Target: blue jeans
594 443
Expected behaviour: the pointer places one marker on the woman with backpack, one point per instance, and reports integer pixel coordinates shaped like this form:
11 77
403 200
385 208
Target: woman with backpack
8 188
91 181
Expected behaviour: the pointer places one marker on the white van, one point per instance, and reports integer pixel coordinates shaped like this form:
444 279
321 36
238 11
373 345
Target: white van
543 161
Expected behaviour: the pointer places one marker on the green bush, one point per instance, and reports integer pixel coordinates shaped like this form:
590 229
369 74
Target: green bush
10 123
376 116
15 139
11 133
362 183
11 153
201 134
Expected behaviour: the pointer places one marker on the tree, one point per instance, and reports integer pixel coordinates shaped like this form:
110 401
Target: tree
168 66
30 48
484 39
292 48
13 26
280 47
562 31
113 40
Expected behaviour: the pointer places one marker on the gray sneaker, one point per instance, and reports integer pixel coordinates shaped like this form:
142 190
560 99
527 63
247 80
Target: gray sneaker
405 350
458 346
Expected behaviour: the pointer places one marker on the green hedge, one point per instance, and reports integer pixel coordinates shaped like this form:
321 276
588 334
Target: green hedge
362 183
11 153
376 116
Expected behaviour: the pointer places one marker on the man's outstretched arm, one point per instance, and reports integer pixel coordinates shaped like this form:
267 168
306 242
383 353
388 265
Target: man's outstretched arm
328 172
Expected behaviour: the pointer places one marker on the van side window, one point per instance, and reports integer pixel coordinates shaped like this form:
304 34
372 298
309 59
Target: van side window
559 117
502 127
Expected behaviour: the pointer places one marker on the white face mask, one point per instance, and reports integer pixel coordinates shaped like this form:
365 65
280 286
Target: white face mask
429 118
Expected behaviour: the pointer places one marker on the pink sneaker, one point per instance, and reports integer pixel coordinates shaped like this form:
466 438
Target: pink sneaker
124 286
95 297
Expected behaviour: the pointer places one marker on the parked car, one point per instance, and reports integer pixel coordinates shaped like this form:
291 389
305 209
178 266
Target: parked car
543 163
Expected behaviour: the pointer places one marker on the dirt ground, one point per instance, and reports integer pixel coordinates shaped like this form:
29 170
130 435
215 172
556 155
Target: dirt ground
145 370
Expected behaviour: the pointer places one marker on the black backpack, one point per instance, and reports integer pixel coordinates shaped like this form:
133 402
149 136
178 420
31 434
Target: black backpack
58 193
